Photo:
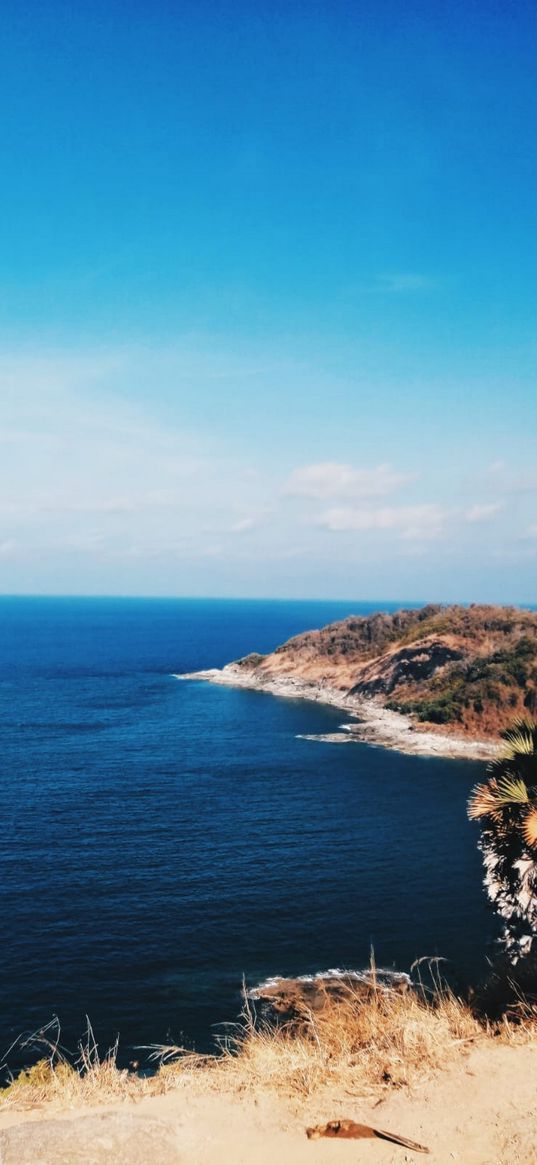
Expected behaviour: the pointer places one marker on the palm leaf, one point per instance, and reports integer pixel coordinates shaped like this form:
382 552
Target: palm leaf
495 795
511 791
529 828
482 801
520 739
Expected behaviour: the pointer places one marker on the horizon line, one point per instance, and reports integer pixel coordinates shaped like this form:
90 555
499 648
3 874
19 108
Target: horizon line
262 599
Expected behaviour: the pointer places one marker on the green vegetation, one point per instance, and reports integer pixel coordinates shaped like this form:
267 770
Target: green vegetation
495 679
465 621
444 710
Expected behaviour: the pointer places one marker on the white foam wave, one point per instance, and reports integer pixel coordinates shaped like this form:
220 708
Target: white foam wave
326 737
385 977
210 674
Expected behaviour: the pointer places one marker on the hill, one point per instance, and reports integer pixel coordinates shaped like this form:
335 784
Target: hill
472 670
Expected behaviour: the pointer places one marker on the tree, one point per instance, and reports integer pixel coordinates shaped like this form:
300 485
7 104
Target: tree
506 806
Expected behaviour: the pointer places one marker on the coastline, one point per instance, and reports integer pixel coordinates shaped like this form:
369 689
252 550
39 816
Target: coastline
372 723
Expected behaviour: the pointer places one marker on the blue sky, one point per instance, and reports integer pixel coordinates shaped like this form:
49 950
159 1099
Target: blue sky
267 298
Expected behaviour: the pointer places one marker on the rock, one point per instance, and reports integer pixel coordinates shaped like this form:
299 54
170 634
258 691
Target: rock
248 662
409 665
285 1000
106 1138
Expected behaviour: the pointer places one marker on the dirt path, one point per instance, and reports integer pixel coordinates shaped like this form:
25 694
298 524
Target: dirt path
482 1111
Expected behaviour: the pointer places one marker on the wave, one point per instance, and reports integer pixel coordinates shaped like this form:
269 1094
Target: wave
326 737
385 977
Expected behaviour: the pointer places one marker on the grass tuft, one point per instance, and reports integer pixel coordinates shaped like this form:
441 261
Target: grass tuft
389 1039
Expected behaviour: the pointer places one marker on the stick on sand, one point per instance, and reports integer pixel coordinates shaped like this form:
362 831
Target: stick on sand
347 1129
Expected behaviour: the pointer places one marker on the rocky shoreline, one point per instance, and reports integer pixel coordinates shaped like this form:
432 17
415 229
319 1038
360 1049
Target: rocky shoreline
373 724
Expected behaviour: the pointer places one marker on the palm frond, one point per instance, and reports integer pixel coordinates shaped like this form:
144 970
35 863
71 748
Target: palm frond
495 795
482 801
529 828
520 739
511 791
518 759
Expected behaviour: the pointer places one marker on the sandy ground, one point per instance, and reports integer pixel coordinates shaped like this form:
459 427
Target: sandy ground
375 724
480 1111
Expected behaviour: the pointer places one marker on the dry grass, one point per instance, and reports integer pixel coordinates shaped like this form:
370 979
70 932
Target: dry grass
84 1079
389 1040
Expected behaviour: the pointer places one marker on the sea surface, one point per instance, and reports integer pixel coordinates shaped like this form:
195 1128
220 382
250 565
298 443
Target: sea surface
163 839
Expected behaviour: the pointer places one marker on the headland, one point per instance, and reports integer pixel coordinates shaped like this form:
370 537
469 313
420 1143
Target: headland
435 681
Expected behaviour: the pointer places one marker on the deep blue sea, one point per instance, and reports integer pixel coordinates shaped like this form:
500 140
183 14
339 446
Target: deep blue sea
163 839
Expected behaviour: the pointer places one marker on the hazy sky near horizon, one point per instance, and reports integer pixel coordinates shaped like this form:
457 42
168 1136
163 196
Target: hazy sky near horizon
268 293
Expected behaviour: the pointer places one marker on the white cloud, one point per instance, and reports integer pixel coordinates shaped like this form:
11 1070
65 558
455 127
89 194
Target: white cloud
412 522
497 466
405 281
87 542
483 513
330 479
213 550
501 477
525 482
107 484
78 451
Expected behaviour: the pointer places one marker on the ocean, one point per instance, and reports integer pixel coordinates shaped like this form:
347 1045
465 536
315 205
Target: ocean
164 840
